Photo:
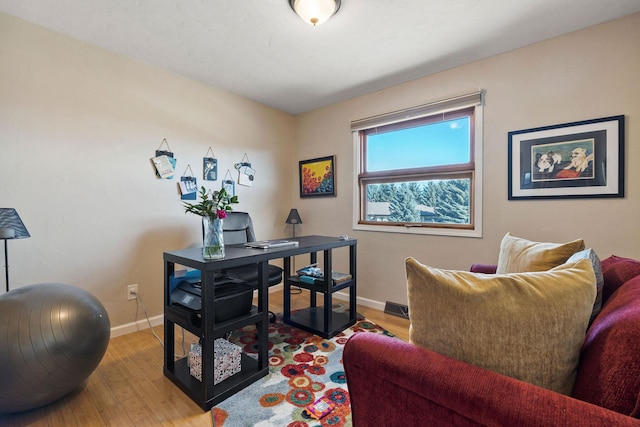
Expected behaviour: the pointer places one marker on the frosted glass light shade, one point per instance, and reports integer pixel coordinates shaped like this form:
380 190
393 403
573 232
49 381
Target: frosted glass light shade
315 12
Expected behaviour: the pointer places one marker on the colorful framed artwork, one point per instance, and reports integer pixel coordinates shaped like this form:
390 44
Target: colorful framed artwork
571 160
317 177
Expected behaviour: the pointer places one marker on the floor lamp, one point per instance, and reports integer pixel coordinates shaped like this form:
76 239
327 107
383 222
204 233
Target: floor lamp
11 227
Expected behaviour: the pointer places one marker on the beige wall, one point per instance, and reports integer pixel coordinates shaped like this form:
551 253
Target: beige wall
78 125
584 75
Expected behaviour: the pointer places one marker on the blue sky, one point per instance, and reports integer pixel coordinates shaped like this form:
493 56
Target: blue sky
435 144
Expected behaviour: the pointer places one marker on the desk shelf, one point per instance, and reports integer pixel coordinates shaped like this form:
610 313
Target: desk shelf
180 376
192 320
312 320
320 285
200 323
323 321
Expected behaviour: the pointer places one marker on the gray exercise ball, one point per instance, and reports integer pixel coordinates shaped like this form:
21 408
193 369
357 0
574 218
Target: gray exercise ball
52 337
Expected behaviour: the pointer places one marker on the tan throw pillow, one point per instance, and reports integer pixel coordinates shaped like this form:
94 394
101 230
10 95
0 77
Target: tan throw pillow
529 326
520 255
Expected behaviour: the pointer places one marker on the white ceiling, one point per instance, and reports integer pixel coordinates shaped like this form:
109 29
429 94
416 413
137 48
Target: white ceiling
261 50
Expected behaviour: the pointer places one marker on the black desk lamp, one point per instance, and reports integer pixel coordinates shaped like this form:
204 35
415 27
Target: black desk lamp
293 219
11 227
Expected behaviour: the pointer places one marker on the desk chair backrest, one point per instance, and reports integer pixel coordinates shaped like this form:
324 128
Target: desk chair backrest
237 228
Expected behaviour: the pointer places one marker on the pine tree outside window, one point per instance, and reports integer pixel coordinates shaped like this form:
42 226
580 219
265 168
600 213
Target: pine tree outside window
419 170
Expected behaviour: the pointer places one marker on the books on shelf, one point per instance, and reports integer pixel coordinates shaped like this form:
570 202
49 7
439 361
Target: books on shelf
310 270
336 277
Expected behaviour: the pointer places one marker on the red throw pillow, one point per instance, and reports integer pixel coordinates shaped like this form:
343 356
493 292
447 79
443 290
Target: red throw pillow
616 271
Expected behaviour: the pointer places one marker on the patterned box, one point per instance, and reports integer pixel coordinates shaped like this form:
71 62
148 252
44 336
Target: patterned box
226 358
195 361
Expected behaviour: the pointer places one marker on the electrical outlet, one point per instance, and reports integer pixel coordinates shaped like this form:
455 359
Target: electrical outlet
132 290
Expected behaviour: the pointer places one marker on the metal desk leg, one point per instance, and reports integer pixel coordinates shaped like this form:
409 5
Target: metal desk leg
263 308
328 294
312 294
352 290
169 329
287 289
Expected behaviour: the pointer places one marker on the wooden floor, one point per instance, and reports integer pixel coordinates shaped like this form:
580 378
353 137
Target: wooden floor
129 389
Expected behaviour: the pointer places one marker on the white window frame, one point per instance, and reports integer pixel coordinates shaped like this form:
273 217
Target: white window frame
474 99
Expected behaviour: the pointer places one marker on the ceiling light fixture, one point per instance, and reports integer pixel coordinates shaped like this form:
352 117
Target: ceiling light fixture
315 12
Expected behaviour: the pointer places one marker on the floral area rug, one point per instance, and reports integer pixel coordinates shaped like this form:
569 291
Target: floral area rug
302 368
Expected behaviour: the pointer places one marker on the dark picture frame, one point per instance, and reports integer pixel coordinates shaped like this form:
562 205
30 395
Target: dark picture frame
318 177
571 160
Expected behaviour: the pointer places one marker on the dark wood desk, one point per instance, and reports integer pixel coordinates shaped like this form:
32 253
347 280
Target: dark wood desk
204 393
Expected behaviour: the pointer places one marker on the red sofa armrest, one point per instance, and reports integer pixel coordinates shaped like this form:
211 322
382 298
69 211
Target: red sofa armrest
394 383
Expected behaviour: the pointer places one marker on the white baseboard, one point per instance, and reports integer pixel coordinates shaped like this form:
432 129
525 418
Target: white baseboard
136 326
344 296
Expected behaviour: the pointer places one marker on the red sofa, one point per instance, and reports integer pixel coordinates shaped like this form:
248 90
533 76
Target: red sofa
394 383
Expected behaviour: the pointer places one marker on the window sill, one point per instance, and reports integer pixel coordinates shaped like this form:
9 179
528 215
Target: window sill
419 230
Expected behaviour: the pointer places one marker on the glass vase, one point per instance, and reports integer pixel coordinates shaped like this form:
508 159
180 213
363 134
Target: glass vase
213 240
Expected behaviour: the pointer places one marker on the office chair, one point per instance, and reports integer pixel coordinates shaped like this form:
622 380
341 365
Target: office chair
237 228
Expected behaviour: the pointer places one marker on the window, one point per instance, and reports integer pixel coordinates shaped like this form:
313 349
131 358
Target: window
419 170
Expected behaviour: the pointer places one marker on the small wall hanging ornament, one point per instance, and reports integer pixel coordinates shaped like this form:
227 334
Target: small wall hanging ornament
246 174
188 185
164 162
228 184
209 166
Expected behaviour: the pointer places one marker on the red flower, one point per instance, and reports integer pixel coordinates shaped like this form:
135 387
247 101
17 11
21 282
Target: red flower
292 370
303 357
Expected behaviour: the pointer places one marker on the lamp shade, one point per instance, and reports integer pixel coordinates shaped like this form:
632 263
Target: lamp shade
10 220
315 12
294 217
